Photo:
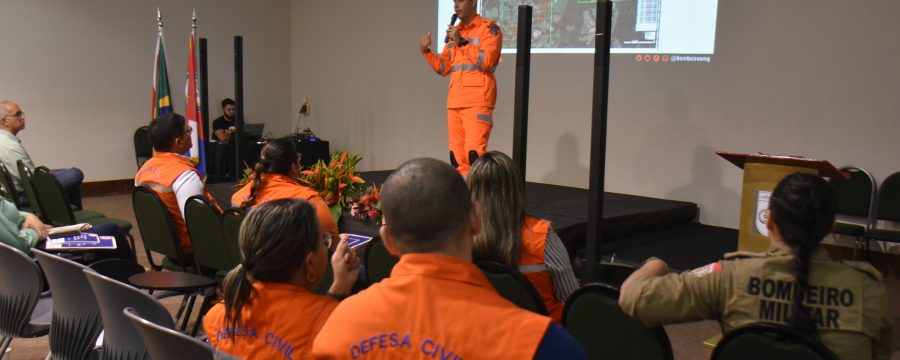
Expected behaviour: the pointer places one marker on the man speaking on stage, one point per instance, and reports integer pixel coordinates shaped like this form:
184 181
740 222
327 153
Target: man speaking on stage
471 54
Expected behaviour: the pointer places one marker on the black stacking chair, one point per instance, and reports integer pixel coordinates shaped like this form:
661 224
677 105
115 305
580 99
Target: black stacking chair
158 231
855 197
513 286
165 343
76 317
378 261
204 224
143 149
231 229
120 339
9 187
25 177
117 269
25 312
593 317
770 342
888 209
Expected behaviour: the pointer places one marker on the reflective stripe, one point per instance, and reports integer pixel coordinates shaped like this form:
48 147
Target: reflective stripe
443 67
474 41
480 62
156 186
461 67
532 268
451 45
485 117
491 70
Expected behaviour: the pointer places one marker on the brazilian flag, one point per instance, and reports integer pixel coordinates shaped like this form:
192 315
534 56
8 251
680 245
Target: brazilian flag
162 101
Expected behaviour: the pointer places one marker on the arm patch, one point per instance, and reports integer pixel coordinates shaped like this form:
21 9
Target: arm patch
494 29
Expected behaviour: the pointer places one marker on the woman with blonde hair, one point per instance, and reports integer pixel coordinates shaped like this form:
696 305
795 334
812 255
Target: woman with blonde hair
513 238
268 311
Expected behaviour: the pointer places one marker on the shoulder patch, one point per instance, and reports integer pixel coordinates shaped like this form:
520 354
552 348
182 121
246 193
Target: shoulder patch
707 269
494 29
864 267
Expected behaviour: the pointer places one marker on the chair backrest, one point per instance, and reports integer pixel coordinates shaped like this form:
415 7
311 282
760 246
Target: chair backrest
20 289
378 261
231 228
204 225
120 339
76 316
54 202
770 342
854 196
155 224
26 177
165 343
513 286
593 317
9 186
143 149
889 199
614 273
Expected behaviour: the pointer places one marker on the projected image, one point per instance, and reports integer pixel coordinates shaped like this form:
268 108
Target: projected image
638 26
559 24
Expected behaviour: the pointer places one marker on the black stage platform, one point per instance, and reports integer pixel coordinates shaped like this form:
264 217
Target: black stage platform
634 227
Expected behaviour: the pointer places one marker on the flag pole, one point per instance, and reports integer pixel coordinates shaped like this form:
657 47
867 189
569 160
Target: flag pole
158 20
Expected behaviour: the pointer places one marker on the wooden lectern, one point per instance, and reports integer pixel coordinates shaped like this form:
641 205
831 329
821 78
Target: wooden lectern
761 174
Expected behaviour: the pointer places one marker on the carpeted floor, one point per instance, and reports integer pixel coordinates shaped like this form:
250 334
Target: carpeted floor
686 338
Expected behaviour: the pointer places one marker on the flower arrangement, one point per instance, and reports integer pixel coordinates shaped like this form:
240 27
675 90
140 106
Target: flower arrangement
336 182
368 207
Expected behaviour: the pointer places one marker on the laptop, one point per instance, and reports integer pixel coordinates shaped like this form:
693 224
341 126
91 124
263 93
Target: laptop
254 130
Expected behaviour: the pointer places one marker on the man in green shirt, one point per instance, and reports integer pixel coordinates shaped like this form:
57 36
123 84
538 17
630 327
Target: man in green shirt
20 229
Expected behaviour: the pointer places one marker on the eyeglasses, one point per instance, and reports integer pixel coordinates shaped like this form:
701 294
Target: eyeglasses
188 130
19 114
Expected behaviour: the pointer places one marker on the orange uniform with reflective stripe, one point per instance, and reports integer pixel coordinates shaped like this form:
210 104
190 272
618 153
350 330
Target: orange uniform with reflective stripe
277 186
280 322
431 307
473 88
159 174
533 267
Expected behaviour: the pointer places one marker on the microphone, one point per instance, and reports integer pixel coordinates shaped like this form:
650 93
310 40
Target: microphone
452 21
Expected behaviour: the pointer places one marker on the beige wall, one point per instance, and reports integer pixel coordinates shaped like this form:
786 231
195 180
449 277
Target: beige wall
801 77
787 78
82 71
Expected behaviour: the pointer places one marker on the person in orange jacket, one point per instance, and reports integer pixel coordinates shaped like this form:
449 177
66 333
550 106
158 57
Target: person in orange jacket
470 56
171 175
275 177
269 311
513 238
436 301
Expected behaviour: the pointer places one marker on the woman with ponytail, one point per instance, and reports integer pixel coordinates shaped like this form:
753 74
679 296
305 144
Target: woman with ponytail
793 282
275 177
268 311
511 237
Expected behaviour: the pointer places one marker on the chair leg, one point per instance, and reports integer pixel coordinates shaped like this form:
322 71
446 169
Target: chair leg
187 316
181 308
4 345
131 241
867 247
150 260
204 307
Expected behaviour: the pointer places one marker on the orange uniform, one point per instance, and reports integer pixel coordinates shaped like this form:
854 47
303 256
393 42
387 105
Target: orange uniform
279 186
279 322
432 307
159 174
473 89
533 267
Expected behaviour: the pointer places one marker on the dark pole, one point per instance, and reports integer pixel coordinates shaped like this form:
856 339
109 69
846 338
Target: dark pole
598 138
523 71
239 100
204 90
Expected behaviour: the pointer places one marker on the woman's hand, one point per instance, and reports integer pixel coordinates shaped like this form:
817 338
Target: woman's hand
345 265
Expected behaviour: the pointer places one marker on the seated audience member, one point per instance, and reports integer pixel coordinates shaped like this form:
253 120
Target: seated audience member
223 129
12 120
275 177
169 174
510 237
269 311
25 231
436 302
793 282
